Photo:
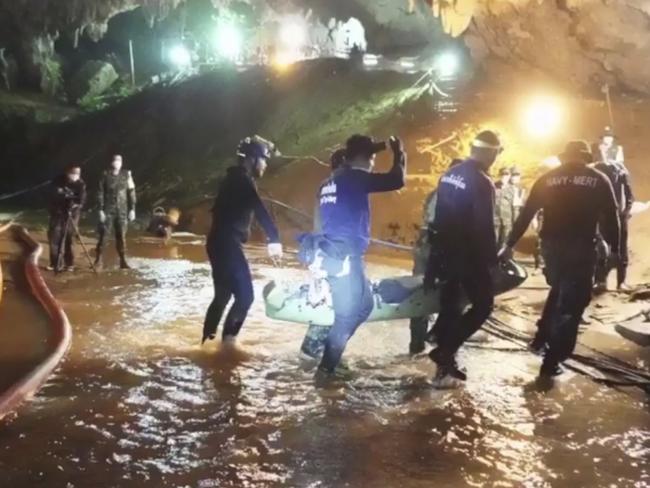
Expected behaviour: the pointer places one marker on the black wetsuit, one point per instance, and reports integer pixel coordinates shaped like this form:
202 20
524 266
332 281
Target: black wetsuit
575 200
67 199
236 204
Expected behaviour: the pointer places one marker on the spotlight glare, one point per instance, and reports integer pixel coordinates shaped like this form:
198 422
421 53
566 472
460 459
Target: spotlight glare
543 116
180 56
447 64
293 35
228 41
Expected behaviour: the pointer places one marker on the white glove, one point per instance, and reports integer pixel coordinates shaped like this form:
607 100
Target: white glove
131 215
102 216
275 250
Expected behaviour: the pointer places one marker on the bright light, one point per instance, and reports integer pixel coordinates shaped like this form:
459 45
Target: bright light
370 60
180 56
404 63
228 41
293 35
447 64
284 59
552 162
543 116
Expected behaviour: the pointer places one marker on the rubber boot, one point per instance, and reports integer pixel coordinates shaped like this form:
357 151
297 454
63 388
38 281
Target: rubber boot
123 262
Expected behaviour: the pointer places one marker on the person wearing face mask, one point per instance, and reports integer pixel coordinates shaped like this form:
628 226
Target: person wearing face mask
504 206
464 255
345 223
612 164
67 199
116 200
232 214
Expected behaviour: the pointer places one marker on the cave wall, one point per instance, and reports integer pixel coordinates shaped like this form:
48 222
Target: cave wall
29 29
581 43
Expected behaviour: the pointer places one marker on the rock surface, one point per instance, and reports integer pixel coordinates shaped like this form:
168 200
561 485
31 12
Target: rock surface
92 80
581 43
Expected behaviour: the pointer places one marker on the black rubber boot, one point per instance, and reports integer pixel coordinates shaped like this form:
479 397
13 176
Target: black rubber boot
447 365
123 263
550 369
538 344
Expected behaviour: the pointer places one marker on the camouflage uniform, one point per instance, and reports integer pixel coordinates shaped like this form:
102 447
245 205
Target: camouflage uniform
504 212
421 252
116 198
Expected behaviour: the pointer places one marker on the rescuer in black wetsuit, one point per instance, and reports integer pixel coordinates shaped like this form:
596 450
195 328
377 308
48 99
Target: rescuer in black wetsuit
462 254
574 198
232 215
612 163
67 199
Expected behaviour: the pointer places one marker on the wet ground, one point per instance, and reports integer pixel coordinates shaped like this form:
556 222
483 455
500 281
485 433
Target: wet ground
139 403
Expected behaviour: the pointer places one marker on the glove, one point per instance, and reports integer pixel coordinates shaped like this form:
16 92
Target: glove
102 216
505 254
275 250
396 144
131 215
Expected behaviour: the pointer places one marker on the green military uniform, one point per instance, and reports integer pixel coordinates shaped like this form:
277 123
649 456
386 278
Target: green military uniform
421 252
116 198
504 211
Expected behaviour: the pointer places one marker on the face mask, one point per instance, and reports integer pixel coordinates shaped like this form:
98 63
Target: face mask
260 167
74 177
515 180
505 180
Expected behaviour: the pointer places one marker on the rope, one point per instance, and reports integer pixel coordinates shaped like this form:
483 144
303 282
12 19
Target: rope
9 196
620 372
378 242
22 192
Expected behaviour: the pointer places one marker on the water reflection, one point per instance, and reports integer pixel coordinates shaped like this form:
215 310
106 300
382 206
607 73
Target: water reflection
139 403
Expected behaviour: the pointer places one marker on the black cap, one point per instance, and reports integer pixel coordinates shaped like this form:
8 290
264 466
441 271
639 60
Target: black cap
359 145
337 159
576 151
607 131
504 172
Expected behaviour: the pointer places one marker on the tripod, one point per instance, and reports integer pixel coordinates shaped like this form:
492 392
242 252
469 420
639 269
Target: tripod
71 226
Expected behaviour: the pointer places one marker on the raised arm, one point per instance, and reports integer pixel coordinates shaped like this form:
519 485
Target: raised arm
394 179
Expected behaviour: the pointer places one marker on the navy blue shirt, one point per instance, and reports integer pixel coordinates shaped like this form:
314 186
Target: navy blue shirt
464 215
344 205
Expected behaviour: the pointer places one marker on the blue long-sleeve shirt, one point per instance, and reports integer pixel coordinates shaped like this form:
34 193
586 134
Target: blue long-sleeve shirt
344 205
464 215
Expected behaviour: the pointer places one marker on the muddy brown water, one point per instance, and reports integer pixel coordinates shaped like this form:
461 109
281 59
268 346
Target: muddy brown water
139 403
